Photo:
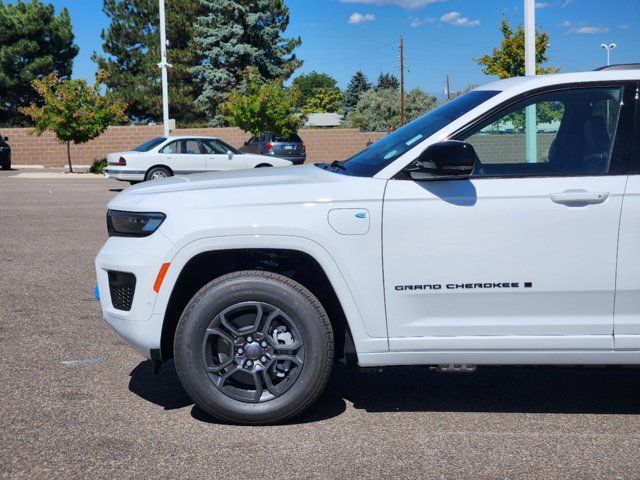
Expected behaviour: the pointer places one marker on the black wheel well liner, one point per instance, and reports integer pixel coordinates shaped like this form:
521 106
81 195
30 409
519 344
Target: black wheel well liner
297 265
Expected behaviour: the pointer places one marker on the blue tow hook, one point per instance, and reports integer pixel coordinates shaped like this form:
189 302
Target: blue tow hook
96 292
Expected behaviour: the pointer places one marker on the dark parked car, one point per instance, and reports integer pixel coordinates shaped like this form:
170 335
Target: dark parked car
290 148
5 154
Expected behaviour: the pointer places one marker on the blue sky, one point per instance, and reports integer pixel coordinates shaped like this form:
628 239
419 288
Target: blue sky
441 36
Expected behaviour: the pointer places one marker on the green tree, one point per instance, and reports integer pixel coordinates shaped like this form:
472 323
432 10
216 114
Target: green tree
379 110
233 35
324 100
132 47
73 110
357 86
508 60
308 84
262 106
34 42
387 81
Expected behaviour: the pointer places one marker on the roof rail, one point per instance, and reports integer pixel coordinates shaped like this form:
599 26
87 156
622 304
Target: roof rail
620 66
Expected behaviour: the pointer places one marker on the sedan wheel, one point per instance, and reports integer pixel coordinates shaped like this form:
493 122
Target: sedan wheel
157 173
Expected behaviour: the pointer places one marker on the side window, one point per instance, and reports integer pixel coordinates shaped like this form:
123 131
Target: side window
213 147
252 141
190 147
171 148
567 132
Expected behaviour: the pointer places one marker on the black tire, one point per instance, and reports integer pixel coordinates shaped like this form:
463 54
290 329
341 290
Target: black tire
158 172
6 165
197 342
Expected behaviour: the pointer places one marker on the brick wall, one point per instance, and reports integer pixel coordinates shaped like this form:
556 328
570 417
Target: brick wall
509 147
323 145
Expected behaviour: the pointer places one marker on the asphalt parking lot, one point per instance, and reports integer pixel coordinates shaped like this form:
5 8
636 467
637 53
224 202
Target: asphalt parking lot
78 403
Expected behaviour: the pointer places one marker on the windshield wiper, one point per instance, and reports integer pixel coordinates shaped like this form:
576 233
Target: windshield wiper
337 165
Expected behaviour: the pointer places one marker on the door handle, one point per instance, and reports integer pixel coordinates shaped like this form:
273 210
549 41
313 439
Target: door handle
578 198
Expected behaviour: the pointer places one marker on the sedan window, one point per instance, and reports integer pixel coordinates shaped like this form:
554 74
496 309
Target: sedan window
146 146
218 147
171 148
191 147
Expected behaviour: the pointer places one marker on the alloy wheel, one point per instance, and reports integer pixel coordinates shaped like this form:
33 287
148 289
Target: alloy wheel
253 352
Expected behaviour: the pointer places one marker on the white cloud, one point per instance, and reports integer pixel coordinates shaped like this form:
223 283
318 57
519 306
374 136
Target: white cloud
566 24
542 4
417 22
454 18
357 18
589 30
566 3
624 26
410 4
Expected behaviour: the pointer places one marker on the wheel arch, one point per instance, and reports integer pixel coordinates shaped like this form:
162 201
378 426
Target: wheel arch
297 264
158 165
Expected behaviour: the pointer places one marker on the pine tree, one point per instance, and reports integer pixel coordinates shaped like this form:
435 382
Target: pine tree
387 81
357 86
132 45
34 42
234 35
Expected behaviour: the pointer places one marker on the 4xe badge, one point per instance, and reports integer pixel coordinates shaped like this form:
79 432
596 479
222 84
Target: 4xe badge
425 287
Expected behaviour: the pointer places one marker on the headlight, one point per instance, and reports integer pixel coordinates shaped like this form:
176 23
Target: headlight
133 224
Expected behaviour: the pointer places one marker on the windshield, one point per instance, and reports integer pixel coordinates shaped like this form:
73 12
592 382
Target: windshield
146 146
381 153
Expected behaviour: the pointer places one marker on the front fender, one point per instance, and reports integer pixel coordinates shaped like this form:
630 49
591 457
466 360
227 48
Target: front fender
364 343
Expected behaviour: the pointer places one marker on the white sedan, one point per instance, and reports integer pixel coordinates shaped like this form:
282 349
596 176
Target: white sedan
178 155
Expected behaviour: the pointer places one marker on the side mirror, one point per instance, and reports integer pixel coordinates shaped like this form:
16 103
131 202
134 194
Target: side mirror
229 155
449 159
5 139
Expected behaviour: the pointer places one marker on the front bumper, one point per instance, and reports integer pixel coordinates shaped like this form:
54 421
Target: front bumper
142 257
295 159
123 174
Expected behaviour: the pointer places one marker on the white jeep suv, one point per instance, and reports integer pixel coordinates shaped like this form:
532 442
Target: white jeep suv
501 228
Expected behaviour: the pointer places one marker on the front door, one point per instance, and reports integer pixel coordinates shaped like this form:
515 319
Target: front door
523 254
184 156
221 156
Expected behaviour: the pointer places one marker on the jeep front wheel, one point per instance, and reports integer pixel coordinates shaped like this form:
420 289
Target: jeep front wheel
254 347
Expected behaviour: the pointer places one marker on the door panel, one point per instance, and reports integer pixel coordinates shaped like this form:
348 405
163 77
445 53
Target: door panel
485 258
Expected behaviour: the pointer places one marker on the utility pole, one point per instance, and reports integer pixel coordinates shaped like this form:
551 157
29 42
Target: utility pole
403 118
530 70
164 65
447 87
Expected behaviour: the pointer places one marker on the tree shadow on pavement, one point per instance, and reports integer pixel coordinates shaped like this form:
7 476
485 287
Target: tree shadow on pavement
417 389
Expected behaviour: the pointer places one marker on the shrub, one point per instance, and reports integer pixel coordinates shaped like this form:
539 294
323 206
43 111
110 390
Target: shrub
98 165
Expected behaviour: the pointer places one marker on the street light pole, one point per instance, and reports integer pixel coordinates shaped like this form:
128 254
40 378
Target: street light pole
531 128
164 65
608 48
